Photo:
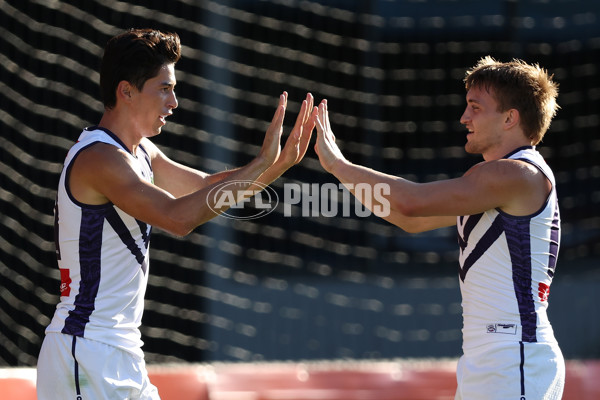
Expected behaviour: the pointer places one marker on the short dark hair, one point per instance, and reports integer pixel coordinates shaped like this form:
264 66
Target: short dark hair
527 88
135 56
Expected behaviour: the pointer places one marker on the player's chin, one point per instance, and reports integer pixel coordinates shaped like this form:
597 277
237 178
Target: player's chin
156 131
158 126
470 149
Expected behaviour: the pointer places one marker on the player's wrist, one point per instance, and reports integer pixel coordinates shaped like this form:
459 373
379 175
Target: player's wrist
338 166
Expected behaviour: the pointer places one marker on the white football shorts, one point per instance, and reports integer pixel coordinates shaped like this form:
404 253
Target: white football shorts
511 371
75 368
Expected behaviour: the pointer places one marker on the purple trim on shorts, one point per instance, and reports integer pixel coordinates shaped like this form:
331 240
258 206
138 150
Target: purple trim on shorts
76 367
522 367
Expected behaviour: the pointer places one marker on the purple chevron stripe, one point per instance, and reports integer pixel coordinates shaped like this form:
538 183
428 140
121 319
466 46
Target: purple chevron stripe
518 239
90 246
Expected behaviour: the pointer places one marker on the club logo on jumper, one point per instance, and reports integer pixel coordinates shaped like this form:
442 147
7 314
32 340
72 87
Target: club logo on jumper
243 199
543 291
507 329
65 282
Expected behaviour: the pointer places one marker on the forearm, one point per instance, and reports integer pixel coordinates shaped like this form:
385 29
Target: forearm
219 176
266 177
188 212
271 174
355 176
411 206
392 198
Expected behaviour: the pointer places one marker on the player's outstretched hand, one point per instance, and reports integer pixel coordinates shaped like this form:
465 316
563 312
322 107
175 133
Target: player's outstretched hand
327 150
299 138
271 147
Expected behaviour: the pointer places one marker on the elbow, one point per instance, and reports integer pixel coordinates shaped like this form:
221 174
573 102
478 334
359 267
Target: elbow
408 217
408 228
408 208
184 225
180 232
179 228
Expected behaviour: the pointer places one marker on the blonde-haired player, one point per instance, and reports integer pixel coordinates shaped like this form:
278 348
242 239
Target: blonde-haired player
506 212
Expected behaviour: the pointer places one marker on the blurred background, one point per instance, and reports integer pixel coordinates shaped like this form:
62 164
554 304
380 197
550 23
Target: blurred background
288 288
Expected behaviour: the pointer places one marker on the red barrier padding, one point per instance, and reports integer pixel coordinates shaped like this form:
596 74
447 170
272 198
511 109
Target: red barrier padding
582 380
17 383
179 382
327 380
334 380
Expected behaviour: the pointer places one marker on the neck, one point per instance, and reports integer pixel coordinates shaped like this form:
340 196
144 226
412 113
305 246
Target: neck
122 128
510 141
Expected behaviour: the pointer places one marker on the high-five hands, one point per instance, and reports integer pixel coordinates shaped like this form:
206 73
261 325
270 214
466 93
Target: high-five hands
298 140
270 150
297 143
326 148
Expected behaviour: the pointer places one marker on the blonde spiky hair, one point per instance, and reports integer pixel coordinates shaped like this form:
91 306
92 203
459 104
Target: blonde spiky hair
527 88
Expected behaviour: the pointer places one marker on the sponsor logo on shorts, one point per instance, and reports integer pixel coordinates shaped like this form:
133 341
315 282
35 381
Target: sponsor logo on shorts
507 329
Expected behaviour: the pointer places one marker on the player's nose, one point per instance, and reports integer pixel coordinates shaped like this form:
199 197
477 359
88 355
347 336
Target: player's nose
465 118
173 103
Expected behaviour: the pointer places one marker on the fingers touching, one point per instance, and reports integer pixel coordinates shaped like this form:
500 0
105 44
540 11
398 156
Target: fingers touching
309 117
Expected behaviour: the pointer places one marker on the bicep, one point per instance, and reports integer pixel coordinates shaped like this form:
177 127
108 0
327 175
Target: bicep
176 178
111 174
419 224
102 174
116 179
486 186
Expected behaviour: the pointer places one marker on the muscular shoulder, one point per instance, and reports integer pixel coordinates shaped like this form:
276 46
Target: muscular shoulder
521 185
96 169
100 158
506 170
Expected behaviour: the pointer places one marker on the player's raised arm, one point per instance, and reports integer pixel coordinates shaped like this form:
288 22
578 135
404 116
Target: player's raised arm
156 204
402 194
180 180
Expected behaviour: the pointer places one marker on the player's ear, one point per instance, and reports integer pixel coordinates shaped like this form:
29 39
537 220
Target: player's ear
512 118
124 91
